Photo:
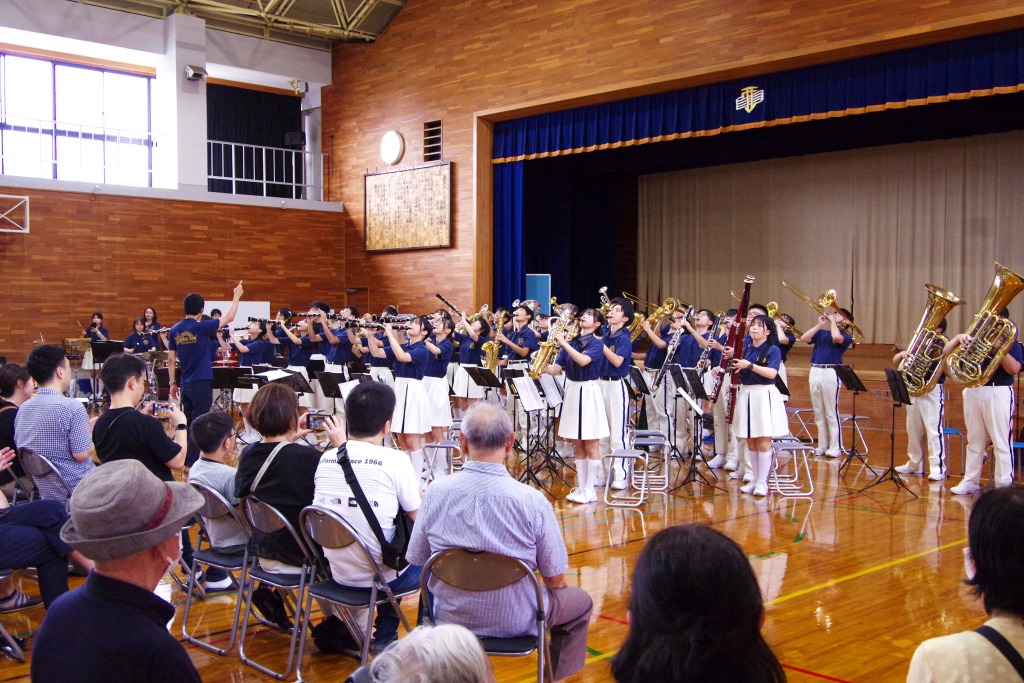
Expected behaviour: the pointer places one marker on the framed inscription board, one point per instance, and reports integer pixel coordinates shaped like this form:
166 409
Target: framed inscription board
409 209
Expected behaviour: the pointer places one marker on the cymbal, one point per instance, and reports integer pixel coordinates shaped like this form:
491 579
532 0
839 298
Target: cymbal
153 355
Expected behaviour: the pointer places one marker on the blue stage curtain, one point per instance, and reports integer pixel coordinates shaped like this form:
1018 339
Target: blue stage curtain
509 276
972 67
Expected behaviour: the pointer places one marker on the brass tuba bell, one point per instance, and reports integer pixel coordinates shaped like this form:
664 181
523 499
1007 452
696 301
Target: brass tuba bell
922 364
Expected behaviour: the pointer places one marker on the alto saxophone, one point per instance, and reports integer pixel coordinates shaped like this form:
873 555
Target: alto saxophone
490 349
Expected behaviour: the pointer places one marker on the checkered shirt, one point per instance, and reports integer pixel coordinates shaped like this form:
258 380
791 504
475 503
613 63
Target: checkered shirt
55 427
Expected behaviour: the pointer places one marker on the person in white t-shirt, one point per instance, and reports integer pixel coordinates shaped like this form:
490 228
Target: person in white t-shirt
387 479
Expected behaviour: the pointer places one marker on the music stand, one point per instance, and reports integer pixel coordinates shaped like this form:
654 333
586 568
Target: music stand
357 366
329 382
484 378
900 397
690 388
101 351
315 366
852 383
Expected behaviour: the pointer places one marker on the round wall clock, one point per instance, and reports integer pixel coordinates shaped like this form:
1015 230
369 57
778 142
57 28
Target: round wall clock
392 147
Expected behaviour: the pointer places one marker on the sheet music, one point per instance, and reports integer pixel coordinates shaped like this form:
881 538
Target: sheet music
552 392
346 387
274 374
528 394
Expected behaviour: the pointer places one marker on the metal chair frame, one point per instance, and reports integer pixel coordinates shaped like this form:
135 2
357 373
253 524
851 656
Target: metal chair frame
804 424
10 647
657 475
787 485
431 451
637 481
42 468
268 519
855 432
327 529
489 571
215 506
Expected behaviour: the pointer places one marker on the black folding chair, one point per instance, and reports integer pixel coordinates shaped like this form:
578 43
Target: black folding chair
329 530
267 519
478 571
10 646
215 506
39 467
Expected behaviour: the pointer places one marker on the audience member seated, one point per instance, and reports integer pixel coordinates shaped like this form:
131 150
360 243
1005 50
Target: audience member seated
30 537
214 433
387 479
123 433
695 613
439 654
994 563
114 628
485 508
53 425
15 388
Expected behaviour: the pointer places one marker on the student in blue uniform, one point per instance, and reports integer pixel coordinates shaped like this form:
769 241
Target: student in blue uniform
760 414
139 341
785 340
300 350
470 354
653 360
411 419
924 424
692 345
251 351
988 414
613 371
583 420
542 327
190 343
724 457
435 381
830 343
521 341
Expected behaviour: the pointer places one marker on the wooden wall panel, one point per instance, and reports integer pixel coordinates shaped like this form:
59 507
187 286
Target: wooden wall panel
453 60
117 255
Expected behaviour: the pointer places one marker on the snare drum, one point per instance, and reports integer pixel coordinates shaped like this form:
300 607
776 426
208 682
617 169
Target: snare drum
227 358
75 348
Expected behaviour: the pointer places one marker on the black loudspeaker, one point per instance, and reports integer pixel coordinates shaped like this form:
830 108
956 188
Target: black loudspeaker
296 140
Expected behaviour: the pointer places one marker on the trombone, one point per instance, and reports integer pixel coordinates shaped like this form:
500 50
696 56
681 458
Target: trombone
773 312
825 305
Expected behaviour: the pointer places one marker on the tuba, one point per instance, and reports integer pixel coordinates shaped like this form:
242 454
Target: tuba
563 320
973 363
922 365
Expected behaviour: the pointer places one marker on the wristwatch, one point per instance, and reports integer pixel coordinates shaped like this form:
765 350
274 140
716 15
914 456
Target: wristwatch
181 427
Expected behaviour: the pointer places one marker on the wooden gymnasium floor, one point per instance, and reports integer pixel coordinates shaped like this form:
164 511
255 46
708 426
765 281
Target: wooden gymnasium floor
852 581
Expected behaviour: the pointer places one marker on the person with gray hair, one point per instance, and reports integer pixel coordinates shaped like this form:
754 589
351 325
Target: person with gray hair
434 654
512 519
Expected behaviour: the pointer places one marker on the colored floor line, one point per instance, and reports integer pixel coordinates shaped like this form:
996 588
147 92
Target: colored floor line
617 621
815 674
864 572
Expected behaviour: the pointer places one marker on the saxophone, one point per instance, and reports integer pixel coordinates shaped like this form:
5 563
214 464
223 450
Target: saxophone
992 336
636 328
490 349
566 324
926 347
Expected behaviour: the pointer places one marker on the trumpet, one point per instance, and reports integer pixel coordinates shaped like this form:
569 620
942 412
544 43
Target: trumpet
922 364
825 305
992 336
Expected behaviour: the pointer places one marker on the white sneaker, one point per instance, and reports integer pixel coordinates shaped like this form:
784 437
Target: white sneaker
576 496
905 469
819 452
620 485
833 455
747 488
716 462
936 476
221 585
731 465
964 488
591 496
760 489
748 476
601 481
736 474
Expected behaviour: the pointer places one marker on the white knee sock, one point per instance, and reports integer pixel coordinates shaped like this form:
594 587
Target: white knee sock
582 474
594 468
417 462
763 467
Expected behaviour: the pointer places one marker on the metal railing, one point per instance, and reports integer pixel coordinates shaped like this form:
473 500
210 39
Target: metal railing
236 168
39 148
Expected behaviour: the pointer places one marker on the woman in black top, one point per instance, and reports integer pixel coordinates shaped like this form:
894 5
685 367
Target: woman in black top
15 388
287 484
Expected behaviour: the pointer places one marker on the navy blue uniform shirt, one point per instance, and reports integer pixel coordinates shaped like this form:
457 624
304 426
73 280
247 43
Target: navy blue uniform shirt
784 348
92 334
753 353
689 350
140 343
826 351
1001 378
418 365
257 348
109 630
469 350
299 354
437 363
190 338
525 338
621 345
655 357
340 353
374 361
588 345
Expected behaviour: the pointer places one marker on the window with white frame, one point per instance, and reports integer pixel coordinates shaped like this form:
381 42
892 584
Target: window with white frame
74 122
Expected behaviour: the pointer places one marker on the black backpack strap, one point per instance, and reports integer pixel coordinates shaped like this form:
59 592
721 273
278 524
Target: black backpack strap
357 491
1003 645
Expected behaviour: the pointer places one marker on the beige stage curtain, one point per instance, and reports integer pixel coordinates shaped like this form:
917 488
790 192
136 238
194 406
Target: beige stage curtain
874 224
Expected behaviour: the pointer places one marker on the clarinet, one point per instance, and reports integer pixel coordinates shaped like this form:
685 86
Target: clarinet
670 356
705 357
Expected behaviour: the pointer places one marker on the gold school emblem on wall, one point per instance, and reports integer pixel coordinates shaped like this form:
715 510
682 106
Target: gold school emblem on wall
749 98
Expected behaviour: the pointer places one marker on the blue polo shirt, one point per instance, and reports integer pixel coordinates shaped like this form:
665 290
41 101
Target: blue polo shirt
588 345
689 350
469 350
437 363
752 353
257 349
1001 378
826 351
191 340
92 334
715 357
655 357
299 354
374 361
340 353
417 367
784 348
526 338
140 343
621 345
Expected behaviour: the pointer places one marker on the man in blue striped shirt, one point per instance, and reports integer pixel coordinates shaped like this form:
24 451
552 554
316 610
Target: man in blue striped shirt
509 518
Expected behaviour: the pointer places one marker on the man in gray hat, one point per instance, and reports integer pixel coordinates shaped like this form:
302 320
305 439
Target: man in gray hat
113 628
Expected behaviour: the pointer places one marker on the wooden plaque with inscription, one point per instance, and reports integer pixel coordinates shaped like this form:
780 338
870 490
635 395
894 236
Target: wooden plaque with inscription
409 209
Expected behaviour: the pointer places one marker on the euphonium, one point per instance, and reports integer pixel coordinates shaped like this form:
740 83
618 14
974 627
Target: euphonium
973 363
636 328
606 303
922 364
